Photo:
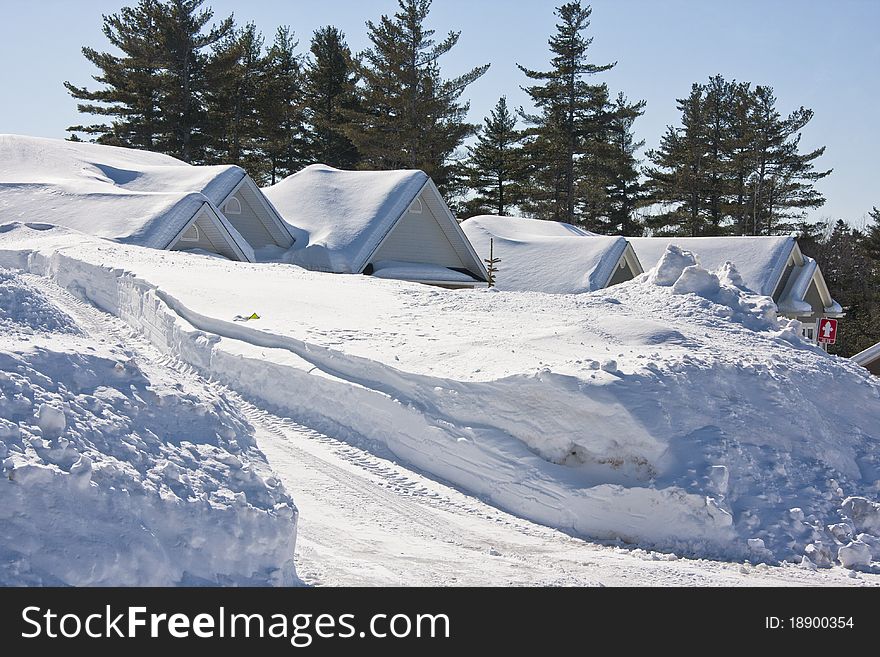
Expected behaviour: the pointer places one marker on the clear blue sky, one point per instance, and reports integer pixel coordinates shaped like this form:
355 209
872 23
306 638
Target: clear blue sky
820 54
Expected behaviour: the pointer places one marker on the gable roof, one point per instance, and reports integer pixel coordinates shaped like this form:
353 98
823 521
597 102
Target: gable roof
763 262
131 196
547 256
868 356
340 218
760 261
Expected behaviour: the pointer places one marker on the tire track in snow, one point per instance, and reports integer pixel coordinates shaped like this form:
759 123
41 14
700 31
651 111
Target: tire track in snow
408 500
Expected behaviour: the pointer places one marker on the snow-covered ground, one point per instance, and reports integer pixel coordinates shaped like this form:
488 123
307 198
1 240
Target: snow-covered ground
118 470
365 519
672 412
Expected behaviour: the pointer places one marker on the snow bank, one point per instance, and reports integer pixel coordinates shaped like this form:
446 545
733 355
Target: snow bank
110 475
691 421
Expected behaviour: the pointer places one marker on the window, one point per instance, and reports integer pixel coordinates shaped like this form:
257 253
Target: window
809 332
191 234
233 206
416 207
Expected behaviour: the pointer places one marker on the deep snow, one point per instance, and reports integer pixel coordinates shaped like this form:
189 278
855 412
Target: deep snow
137 197
339 217
680 416
545 256
116 472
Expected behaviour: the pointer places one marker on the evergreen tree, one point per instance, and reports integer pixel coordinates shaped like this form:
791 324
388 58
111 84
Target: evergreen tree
611 191
156 89
783 181
234 89
871 242
494 163
572 116
676 181
330 91
280 109
183 42
411 116
734 165
131 82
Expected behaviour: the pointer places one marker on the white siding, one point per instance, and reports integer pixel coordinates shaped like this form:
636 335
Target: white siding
211 238
418 237
248 223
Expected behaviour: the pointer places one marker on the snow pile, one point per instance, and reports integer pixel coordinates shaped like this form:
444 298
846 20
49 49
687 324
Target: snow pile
680 416
111 476
760 260
681 270
545 256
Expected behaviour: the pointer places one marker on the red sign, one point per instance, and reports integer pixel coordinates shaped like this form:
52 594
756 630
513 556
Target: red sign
827 333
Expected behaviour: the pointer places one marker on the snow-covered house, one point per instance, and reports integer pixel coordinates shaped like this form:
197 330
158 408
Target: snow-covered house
869 359
137 197
550 256
772 266
388 224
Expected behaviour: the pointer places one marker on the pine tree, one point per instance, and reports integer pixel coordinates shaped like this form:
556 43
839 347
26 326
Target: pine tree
610 190
494 164
330 91
734 165
411 116
183 42
571 119
871 240
676 181
156 89
234 89
131 82
280 110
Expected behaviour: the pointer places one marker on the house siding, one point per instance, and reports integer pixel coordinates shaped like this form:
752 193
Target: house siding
418 237
210 239
622 273
248 223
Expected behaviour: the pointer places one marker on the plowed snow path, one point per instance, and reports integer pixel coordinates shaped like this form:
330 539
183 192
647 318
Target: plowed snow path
365 520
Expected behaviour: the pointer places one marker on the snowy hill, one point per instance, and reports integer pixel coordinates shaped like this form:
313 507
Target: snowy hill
671 411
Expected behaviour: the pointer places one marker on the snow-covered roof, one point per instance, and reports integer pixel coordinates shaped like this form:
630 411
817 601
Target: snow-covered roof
545 256
868 356
338 217
760 261
136 197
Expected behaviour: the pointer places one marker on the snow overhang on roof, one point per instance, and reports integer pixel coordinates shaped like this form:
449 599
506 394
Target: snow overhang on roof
131 196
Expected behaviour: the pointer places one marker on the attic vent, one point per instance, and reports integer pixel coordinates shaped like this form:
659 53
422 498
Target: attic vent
416 207
191 234
233 206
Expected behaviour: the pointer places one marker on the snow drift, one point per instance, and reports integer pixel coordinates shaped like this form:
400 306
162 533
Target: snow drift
672 411
111 476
